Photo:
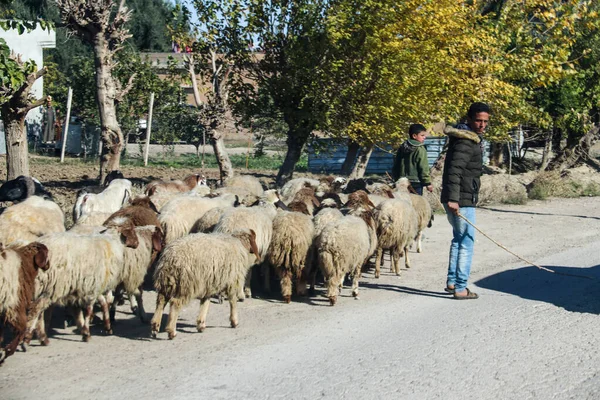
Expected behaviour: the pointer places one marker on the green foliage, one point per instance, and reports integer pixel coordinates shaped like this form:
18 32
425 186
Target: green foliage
13 72
237 160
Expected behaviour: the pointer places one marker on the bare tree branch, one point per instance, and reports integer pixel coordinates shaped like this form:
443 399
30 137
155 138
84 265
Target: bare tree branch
127 88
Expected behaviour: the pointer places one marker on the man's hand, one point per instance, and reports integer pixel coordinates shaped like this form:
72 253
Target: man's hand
454 207
430 188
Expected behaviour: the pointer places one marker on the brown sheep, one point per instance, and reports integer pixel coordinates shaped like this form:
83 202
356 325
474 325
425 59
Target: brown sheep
18 269
141 212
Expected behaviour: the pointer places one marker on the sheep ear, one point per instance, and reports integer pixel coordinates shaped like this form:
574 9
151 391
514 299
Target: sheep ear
389 194
153 206
315 202
157 240
371 203
129 238
41 257
253 246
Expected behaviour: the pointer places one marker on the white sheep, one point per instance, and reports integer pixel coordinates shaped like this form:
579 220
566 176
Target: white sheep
92 219
248 182
259 219
201 266
291 187
178 216
82 268
137 262
209 220
396 222
421 206
290 250
109 200
30 219
343 247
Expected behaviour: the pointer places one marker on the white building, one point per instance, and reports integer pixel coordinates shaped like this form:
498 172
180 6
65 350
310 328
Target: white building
30 46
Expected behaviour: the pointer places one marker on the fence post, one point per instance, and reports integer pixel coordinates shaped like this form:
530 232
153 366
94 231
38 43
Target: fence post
66 127
148 129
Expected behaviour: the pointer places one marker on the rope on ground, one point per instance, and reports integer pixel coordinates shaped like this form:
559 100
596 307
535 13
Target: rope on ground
519 257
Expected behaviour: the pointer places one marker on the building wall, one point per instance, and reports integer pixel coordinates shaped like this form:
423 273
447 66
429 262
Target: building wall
30 46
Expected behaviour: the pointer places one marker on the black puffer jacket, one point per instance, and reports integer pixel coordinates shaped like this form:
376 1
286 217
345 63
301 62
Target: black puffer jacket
462 168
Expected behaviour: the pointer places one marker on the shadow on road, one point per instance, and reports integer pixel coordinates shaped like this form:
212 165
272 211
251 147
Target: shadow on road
537 213
404 289
571 293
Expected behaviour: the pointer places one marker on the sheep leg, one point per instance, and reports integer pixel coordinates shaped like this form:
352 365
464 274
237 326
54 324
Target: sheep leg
175 309
406 259
333 284
419 249
233 316
247 289
286 284
355 277
157 318
378 262
85 330
106 313
35 314
19 324
266 272
137 305
204 304
301 282
396 262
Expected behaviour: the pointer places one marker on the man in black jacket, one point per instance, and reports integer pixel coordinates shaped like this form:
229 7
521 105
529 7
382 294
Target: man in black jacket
460 191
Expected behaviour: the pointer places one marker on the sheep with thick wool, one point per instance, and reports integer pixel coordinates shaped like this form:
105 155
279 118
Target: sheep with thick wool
201 266
161 198
209 220
175 186
141 211
247 182
137 263
30 219
260 220
19 265
343 247
83 268
178 216
397 226
290 250
291 187
421 206
109 200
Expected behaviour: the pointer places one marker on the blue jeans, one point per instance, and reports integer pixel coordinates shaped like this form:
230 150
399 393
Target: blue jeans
418 187
461 248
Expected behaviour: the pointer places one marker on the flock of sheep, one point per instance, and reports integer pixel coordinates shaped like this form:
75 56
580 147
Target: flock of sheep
192 242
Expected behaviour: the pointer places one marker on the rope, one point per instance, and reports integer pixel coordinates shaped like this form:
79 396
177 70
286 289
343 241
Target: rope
518 256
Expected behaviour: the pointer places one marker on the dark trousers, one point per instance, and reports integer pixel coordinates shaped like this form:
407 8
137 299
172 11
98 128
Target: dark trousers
418 187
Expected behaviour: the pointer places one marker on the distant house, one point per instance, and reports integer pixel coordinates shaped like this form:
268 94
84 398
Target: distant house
30 45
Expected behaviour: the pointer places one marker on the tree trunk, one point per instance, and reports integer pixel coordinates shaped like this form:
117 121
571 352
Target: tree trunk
17 160
351 154
361 163
295 142
14 112
578 151
106 93
547 151
218 145
496 156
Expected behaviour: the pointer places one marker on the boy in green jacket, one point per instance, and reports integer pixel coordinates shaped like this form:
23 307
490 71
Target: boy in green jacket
411 160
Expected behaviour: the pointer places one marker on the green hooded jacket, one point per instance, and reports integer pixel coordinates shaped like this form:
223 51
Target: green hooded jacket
411 162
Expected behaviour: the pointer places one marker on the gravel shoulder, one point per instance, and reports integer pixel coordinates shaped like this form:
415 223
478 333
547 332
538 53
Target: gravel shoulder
531 334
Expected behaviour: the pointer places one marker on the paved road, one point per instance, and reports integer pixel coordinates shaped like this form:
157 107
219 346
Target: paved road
531 335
